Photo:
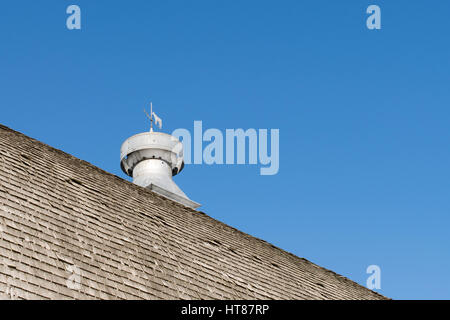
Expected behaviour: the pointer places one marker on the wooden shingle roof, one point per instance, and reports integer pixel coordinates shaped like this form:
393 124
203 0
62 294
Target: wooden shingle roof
69 230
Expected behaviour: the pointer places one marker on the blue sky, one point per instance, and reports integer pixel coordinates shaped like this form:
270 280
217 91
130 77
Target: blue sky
363 115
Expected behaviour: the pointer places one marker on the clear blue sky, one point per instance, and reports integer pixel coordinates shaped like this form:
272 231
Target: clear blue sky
363 115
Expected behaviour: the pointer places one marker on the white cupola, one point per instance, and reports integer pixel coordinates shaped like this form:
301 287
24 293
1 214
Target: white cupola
152 159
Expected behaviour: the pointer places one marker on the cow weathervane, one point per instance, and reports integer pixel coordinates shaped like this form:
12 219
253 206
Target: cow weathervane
152 115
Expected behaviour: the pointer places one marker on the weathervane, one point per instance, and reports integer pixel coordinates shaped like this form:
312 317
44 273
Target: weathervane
152 115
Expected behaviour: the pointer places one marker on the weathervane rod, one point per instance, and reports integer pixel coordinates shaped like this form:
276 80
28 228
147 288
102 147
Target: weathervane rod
151 117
